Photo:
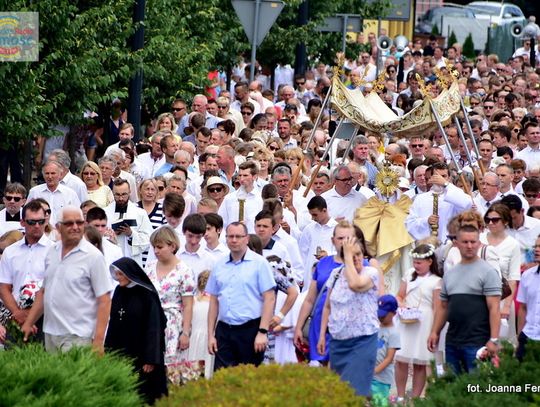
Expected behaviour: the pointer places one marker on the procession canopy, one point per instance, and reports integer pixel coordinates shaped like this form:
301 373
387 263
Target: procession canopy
372 114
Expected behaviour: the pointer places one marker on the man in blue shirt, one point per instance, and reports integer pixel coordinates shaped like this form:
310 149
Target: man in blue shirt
241 288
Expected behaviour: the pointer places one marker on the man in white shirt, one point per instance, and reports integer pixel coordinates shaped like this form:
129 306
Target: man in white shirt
343 199
214 227
97 218
75 298
525 229
316 238
154 159
23 262
489 192
57 195
529 309
241 94
252 202
531 153
193 252
264 228
14 199
284 132
68 179
452 201
133 239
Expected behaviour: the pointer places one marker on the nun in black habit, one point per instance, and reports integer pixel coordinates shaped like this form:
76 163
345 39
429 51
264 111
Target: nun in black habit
137 327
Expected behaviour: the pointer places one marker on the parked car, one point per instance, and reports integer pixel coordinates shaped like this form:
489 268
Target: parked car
436 15
496 12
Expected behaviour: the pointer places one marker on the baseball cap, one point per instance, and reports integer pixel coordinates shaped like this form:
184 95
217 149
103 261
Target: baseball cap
387 303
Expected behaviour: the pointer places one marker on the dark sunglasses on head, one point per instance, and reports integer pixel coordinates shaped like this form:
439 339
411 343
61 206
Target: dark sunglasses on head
33 222
12 198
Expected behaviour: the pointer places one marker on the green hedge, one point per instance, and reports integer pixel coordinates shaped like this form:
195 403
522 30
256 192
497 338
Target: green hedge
268 385
472 389
30 377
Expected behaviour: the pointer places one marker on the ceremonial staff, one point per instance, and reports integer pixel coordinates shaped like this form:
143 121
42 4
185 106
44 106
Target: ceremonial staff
316 171
469 157
297 171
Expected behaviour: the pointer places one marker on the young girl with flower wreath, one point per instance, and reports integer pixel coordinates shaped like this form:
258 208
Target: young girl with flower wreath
418 297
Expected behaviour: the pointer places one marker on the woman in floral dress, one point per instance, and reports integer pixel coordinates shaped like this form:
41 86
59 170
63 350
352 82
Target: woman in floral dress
175 284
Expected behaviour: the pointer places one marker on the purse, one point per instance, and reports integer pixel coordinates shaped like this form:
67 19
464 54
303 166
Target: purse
411 315
307 324
506 291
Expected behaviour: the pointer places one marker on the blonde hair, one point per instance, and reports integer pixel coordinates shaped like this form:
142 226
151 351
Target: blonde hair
165 235
202 279
162 117
95 168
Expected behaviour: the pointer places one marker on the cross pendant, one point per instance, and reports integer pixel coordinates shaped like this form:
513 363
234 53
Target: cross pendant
121 312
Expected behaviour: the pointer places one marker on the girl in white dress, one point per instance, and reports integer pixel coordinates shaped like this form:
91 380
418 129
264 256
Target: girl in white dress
198 346
420 288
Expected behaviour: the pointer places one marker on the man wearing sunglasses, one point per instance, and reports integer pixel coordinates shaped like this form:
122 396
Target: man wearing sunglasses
14 199
75 298
24 261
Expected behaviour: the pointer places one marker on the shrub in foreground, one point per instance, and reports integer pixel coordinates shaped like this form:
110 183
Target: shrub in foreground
481 388
32 377
268 385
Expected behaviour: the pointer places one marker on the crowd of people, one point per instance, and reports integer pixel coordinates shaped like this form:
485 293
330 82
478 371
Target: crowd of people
203 247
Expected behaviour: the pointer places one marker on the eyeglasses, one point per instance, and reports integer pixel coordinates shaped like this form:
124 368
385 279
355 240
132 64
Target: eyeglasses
491 220
222 107
178 109
161 188
474 103
488 107
451 237
300 83
33 222
417 145
349 179
47 211
531 195
86 174
273 148
245 113
214 190
70 223
516 130
12 198
120 195
235 237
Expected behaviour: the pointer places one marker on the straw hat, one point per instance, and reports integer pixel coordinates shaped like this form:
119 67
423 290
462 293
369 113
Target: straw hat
214 181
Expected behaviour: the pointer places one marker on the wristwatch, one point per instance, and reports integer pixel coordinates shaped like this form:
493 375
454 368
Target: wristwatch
494 340
263 331
446 184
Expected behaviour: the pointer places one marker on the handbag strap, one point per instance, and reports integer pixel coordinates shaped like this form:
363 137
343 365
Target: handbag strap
323 289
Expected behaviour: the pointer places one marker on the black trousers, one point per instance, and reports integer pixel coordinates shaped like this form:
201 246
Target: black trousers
236 344
522 344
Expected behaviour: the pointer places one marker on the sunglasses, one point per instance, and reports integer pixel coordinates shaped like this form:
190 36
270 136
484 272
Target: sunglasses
451 237
300 83
33 222
531 195
245 113
272 148
161 187
417 145
12 198
70 223
86 174
47 211
222 107
491 220
214 190
178 109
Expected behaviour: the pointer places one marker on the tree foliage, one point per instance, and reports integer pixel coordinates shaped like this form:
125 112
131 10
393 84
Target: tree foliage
86 59
468 47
